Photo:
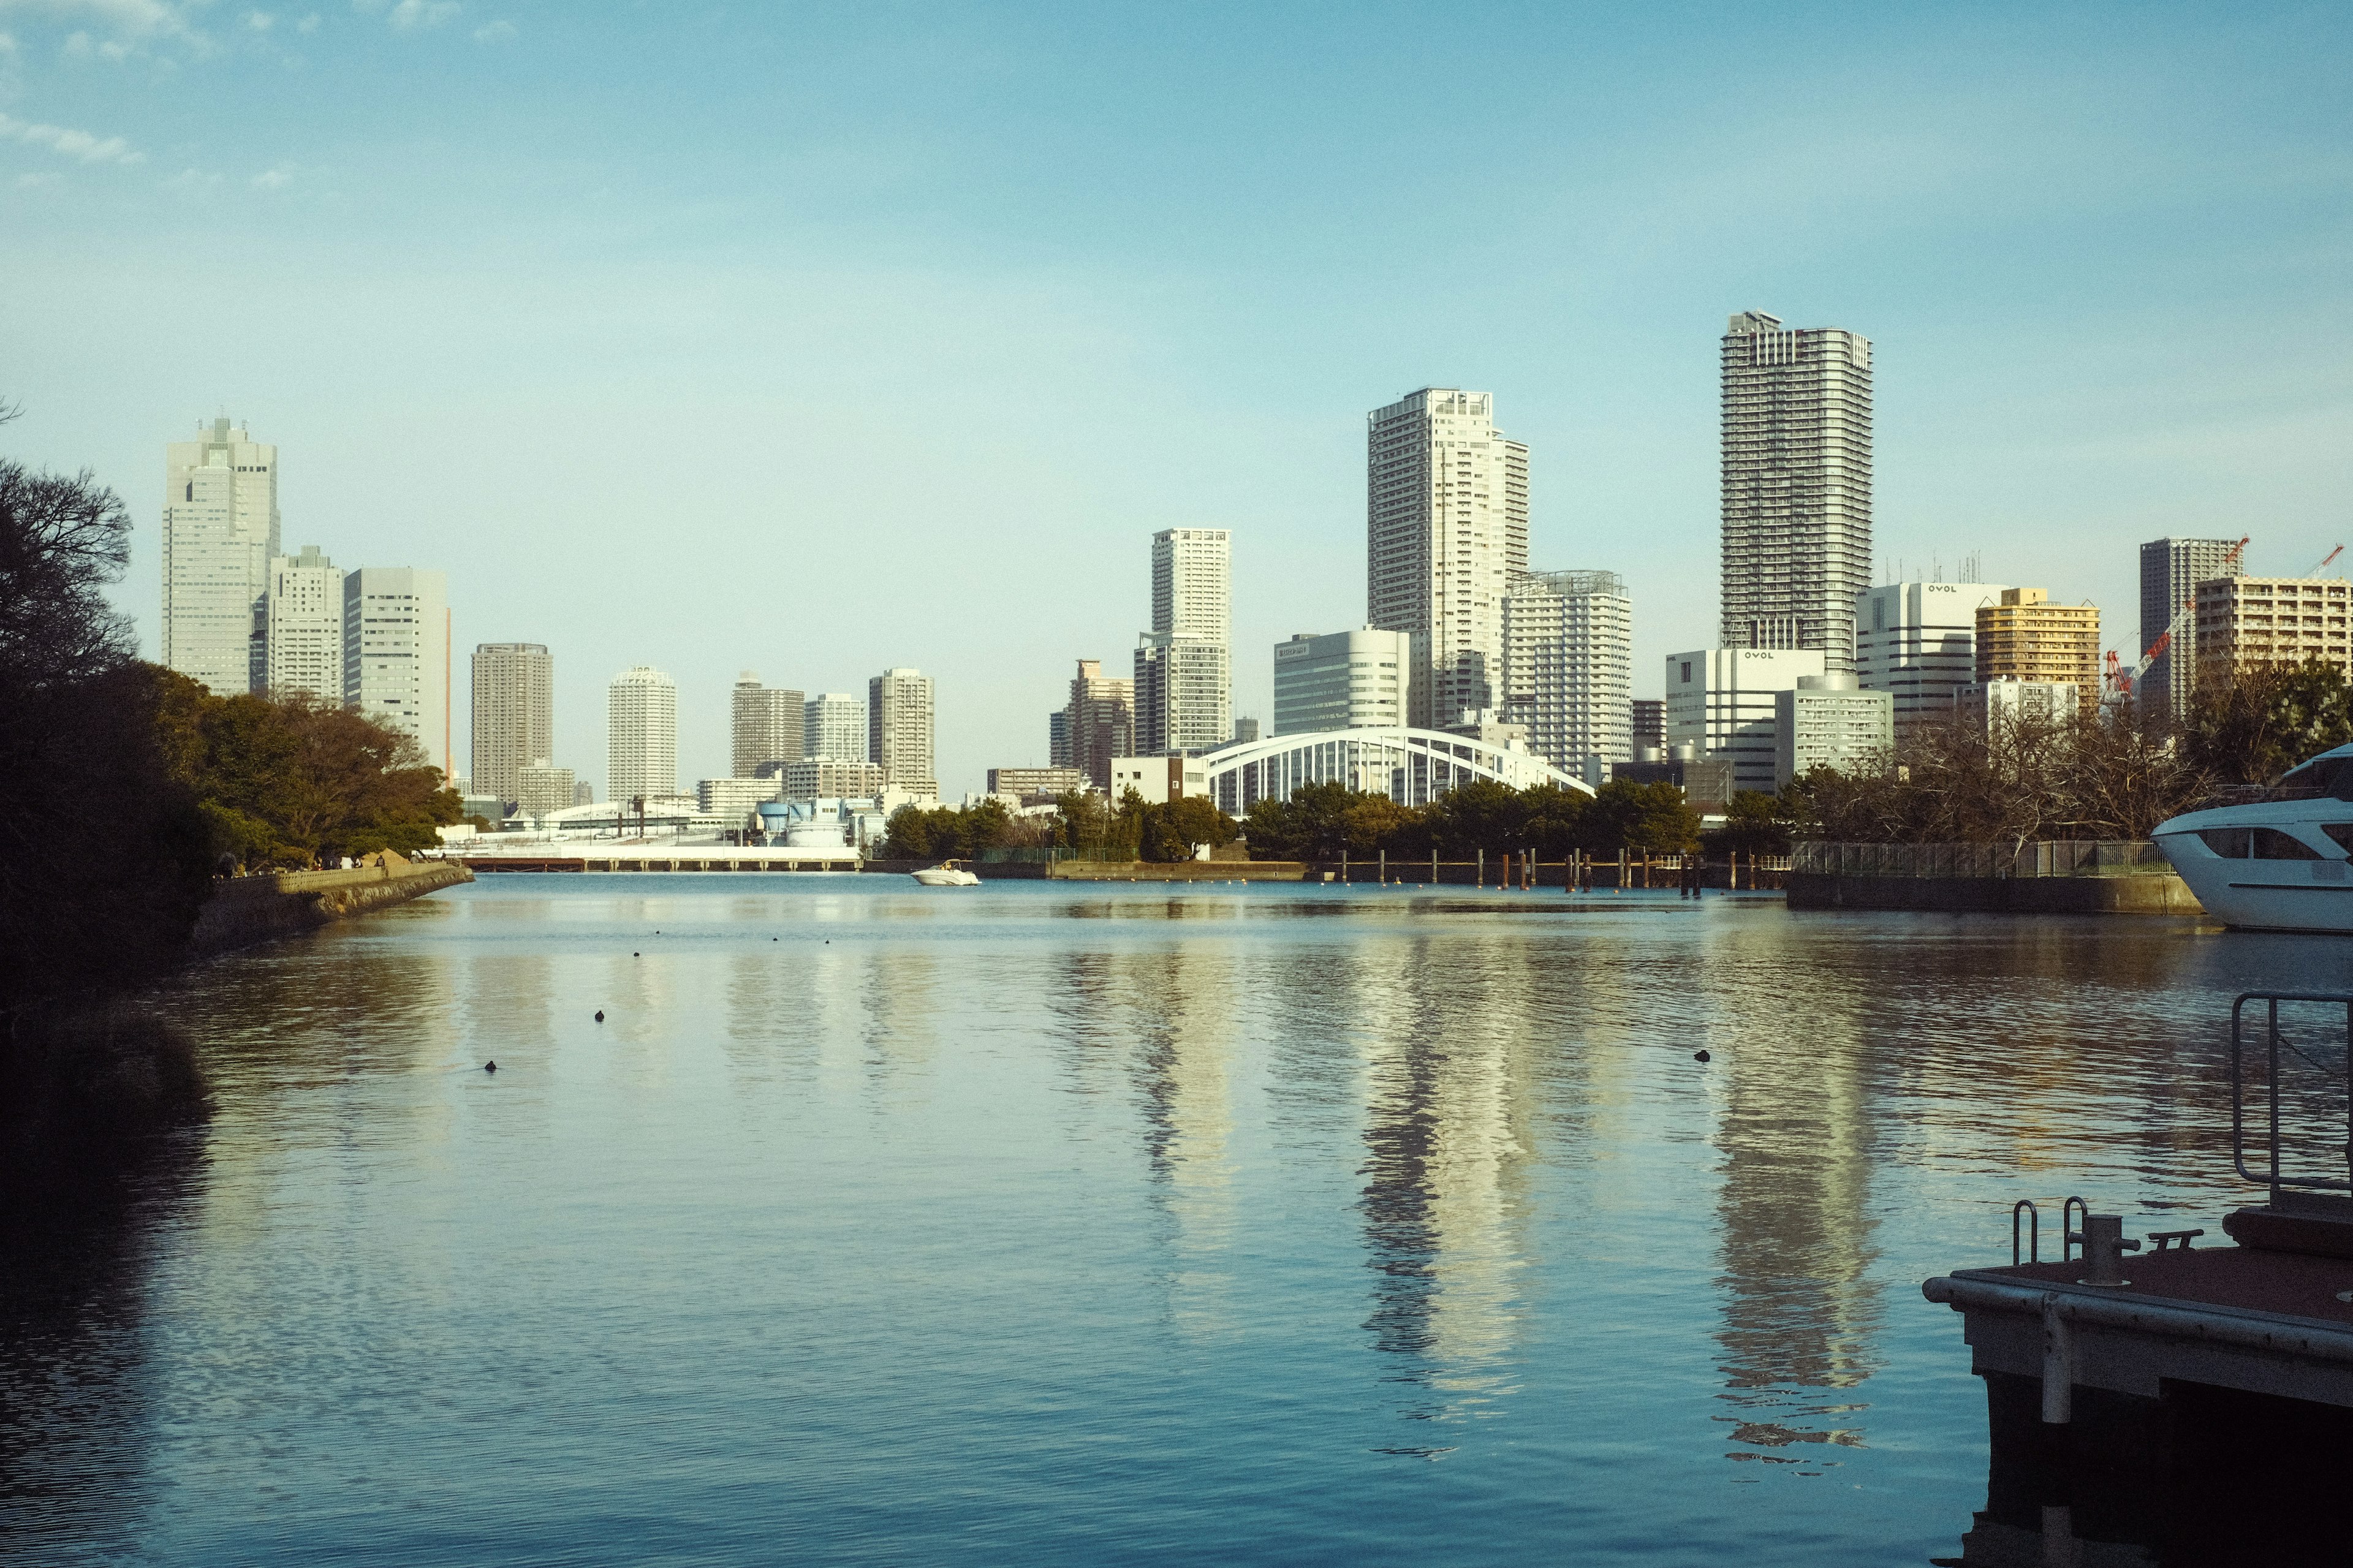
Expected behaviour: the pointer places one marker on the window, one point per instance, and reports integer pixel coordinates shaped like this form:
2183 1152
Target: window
2340 831
2270 844
2230 843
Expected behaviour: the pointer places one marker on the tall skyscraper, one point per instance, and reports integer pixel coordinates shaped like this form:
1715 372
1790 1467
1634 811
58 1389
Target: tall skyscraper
641 734
769 725
514 718
1183 665
396 652
1797 486
220 530
1568 666
300 629
899 730
2170 571
1918 642
1446 527
1100 722
833 726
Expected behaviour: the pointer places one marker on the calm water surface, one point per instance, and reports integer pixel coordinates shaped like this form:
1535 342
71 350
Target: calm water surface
1027 1223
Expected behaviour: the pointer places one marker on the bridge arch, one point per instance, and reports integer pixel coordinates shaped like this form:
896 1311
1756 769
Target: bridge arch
1411 766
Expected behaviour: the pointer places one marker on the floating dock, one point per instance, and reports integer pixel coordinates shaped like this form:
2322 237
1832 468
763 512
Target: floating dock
2182 1403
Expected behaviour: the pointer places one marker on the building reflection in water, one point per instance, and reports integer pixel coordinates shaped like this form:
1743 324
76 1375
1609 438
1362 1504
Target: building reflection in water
1800 1313
1449 1054
1182 1001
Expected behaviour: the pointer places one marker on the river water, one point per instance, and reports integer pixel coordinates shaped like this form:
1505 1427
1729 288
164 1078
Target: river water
1050 1224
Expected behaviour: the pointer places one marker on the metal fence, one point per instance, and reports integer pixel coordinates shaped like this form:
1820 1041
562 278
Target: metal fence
2046 857
1025 855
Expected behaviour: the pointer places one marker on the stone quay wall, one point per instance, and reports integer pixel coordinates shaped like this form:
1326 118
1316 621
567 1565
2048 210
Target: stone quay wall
247 910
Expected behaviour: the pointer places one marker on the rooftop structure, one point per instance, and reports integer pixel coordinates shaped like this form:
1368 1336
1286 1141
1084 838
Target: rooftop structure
1918 642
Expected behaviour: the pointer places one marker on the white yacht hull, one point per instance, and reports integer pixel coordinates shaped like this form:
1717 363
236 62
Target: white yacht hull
2278 864
945 877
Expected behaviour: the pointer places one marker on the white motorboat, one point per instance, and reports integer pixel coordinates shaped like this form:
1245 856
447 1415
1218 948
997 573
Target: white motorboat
2276 862
946 874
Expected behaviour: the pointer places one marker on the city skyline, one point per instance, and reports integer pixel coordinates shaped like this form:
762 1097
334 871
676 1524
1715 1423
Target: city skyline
1034 306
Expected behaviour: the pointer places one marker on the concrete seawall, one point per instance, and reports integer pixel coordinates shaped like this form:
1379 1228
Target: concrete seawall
2145 894
248 910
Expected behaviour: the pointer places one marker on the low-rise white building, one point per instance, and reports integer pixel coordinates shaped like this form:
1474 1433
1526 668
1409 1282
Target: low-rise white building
541 790
1918 642
830 778
1722 700
1158 780
735 798
1994 704
1828 722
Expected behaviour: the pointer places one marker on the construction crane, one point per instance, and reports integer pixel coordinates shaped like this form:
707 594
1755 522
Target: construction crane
2324 561
2120 681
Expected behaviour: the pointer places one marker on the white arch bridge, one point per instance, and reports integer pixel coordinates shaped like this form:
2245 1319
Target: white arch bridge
1411 766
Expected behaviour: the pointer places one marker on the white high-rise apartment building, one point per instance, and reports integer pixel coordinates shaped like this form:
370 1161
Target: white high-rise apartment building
220 531
1446 530
1568 666
1918 642
514 718
1183 665
1193 583
301 627
2170 571
642 735
1797 486
1343 680
768 723
1723 701
899 730
396 652
833 725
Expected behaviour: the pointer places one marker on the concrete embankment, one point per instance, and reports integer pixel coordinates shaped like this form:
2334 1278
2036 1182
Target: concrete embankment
2143 894
247 910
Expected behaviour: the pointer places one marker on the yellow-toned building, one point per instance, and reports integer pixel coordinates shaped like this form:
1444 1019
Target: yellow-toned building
2252 622
2026 638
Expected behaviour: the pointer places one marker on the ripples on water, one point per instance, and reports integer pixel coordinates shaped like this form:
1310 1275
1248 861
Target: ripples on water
1024 1223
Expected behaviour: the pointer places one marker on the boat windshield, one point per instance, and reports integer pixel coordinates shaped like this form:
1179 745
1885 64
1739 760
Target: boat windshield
2330 776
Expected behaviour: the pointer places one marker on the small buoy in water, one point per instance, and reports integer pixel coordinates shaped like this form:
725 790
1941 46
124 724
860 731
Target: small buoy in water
489 1067
1699 1056
637 955
600 1015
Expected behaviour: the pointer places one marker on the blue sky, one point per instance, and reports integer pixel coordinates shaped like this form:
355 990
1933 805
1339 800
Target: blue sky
818 339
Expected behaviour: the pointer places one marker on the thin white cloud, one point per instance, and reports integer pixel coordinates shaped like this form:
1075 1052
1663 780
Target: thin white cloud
68 143
35 182
309 24
259 21
423 13
8 45
115 30
192 181
274 179
496 32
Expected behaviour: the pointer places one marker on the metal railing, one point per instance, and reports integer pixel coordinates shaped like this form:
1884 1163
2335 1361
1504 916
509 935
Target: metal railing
2273 1176
2043 857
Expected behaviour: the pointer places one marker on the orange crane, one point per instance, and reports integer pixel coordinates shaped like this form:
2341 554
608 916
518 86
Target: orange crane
2119 681
2324 561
